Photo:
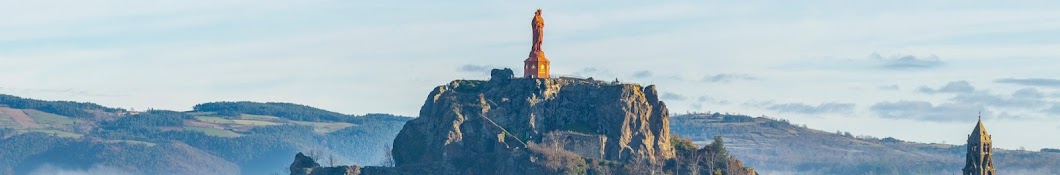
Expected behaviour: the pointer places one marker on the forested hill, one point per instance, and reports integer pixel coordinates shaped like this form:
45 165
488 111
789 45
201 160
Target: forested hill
55 137
65 108
776 146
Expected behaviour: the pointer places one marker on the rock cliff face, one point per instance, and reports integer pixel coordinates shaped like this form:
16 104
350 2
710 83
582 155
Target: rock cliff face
483 127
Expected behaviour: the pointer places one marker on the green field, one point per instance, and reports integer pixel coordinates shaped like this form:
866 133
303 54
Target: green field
251 121
211 119
323 127
254 122
49 120
259 117
214 131
245 120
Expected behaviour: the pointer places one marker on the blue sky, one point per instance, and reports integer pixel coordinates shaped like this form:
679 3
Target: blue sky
913 70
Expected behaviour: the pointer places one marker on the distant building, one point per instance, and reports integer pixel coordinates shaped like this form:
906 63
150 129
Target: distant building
980 157
536 66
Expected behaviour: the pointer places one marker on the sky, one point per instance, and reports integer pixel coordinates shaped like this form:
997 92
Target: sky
913 70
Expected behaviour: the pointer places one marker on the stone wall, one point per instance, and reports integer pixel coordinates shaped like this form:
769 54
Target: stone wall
585 145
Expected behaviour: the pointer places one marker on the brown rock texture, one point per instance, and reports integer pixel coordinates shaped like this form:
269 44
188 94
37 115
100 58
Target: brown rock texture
484 127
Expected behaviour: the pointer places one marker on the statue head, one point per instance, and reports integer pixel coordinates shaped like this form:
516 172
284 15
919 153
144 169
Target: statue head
538 12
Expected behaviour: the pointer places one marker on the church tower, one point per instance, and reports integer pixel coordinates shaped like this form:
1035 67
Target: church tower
536 66
980 157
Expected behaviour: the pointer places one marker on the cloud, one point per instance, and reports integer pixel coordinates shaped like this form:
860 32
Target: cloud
729 77
965 93
922 110
704 100
476 68
673 96
596 72
893 87
907 61
951 87
1040 82
1026 97
830 107
1025 103
696 106
711 100
642 74
1055 110
1029 93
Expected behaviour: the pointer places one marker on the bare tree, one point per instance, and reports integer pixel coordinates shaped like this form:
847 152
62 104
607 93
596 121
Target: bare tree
331 159
713 161
693 166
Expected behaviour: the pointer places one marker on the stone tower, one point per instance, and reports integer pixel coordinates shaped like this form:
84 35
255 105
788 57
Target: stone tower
536 66
980 158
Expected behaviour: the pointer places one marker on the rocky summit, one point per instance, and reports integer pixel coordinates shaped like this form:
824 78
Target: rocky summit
510 125
485 127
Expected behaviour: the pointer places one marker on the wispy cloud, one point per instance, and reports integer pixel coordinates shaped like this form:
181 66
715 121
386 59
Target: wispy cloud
1024 98
1040 82
923 110
907 61
673 96
475 68
705 100
1055 110
1025 103
597 73
893 87
964 92
951 87
729 77
642 74
830 107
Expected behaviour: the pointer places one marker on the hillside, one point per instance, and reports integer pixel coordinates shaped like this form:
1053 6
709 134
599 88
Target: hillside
214 138
778 147
259 138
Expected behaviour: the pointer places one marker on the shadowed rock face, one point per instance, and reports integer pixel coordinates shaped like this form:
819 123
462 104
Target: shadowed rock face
483 126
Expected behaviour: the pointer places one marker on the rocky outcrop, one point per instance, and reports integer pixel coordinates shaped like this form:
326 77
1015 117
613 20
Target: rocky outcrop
483 127
513 125
502 75
304 165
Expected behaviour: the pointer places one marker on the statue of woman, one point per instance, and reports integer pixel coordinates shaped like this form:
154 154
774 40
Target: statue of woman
538 25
